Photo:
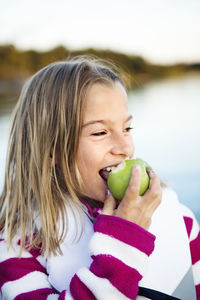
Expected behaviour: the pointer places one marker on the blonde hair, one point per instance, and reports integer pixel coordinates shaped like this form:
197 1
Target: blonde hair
46 128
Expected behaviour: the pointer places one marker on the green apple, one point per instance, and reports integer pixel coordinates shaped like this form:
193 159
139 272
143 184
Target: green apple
119 177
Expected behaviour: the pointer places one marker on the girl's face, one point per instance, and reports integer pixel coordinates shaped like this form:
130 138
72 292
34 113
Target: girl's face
105 137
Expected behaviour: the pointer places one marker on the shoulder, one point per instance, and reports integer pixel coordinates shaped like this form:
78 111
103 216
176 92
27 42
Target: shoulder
191 223
14 253
171 202
171 197
187 212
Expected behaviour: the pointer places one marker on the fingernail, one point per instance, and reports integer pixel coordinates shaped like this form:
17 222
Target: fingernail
153 172
108 192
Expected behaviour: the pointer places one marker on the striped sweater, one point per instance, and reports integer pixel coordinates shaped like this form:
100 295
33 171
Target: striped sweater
119 251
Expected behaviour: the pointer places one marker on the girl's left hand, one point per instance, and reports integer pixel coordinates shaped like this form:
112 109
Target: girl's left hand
133 207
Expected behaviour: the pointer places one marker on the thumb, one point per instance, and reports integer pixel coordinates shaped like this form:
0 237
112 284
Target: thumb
109 204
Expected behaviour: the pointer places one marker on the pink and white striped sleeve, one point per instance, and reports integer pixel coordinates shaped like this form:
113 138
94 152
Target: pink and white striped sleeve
194 240
25 277
119 249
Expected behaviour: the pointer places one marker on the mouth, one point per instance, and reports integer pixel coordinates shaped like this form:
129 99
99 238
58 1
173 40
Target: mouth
105 172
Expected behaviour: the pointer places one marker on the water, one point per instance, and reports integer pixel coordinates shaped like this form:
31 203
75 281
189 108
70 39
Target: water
166 133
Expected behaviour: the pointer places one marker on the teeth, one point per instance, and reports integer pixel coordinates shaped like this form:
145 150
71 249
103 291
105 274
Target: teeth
114 167
108 169
119 167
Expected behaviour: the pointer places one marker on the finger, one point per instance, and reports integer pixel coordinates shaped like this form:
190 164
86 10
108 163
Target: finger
148 169
155 187
109 204
134 184
154 180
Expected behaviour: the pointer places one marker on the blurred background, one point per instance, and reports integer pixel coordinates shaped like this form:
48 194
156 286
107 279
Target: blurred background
155 43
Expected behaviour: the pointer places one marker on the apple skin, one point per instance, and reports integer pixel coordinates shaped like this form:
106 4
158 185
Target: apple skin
118 181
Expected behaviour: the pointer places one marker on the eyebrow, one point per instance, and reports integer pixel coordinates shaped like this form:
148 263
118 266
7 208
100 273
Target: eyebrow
103 121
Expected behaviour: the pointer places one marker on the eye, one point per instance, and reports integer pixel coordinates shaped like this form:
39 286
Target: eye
100 133
128 129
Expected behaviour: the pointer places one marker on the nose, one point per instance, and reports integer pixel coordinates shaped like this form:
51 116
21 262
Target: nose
122 145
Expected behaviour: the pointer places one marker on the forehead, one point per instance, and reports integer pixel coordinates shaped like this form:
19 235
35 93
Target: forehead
101 98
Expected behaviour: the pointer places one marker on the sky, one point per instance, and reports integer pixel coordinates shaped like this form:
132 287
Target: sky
161 31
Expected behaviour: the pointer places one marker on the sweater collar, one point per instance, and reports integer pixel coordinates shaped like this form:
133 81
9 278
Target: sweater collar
93 212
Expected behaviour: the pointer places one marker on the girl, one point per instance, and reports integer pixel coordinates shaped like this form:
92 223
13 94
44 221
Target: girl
62 234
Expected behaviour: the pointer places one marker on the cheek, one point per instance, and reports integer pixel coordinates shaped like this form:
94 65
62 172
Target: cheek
84 159
132 146
82 163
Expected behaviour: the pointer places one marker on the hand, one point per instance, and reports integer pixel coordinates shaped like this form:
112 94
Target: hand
133 207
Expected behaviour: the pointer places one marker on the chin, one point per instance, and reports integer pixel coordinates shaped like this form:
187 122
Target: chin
100 196
99 192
